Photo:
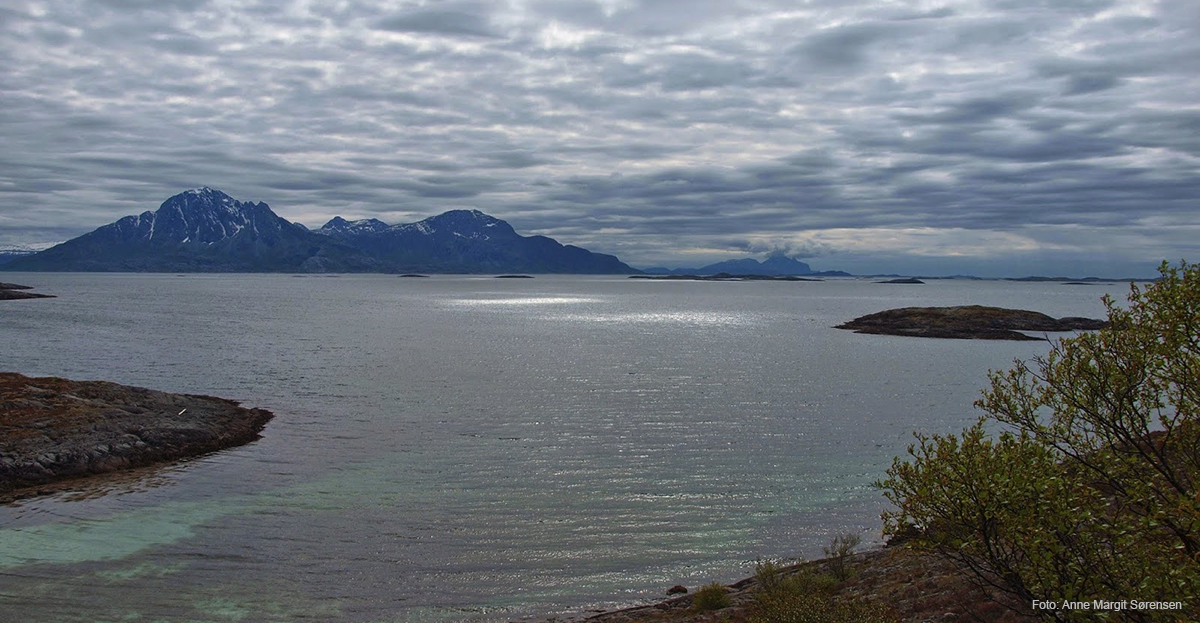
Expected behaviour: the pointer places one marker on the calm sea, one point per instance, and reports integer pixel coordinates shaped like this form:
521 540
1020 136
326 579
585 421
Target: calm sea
480 449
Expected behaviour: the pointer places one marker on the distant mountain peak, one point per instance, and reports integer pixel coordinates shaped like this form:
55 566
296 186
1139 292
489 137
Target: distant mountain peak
463 217
464 224
203 193
205 199
775 265
201 215
340 226
200 230
203 190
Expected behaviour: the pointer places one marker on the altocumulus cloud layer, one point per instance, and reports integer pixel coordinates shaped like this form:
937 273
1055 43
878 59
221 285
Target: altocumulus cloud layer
985 136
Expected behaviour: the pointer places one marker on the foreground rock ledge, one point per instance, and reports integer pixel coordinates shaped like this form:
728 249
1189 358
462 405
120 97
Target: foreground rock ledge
913 586
966 322
53 429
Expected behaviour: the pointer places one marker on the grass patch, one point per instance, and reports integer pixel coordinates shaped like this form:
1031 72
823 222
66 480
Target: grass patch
808 597
711 597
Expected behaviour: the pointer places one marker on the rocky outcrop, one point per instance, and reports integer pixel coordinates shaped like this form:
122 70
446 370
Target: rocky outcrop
966 322
53 429
12 292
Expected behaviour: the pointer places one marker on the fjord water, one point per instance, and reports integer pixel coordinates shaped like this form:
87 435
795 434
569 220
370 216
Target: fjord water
470 448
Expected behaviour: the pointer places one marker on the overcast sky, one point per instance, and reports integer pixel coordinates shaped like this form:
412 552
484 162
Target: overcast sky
993 137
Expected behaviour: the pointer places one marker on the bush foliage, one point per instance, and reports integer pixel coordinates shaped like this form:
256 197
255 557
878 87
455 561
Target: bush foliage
808 597
711 597
838 553
1089 489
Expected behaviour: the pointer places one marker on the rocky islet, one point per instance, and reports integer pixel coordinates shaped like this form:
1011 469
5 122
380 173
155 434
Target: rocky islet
54 429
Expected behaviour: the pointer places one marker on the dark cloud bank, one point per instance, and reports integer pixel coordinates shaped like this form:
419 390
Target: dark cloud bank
991 137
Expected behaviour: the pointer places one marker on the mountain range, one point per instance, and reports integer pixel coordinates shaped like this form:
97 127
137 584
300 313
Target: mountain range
774 266
8 255
466 241
206 230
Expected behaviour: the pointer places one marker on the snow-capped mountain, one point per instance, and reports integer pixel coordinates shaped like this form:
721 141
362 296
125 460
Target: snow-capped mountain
201 215
205 230
467 241
339 227
200 230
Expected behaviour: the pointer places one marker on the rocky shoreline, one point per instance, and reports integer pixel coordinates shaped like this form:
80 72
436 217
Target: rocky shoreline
975 322
910 586
54 430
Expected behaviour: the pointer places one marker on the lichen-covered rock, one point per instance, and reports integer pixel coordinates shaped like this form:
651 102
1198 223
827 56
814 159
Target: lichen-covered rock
53 429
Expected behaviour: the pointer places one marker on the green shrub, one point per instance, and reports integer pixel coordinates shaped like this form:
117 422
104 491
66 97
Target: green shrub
768 574
711 597
809 582
1091 489
838 553
808 598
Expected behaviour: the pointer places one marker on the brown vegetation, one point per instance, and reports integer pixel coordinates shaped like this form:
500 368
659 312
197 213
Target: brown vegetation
897 585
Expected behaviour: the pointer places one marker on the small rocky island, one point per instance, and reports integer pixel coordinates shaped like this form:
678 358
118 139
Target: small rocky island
54 429
973 322
13 291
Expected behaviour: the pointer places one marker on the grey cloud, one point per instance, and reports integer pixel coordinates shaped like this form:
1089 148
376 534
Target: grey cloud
639 127
1125 62
1174 130
938 13
697 72
439 22
512 159
183 43
578 12
1082 84
1078 7
845 47
653 18
803 250
981 35
418 164
153 5
979 109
